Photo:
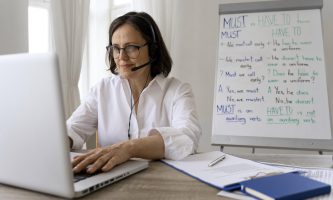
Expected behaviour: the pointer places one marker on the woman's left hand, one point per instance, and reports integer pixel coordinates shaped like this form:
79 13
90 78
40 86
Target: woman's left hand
103 158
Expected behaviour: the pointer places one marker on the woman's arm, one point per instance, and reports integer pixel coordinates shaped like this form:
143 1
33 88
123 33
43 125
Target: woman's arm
181 138
83 122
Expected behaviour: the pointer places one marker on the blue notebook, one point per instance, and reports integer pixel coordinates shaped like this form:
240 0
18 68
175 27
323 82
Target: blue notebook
284 187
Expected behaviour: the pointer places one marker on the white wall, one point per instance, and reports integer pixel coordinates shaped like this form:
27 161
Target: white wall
13 26
195 40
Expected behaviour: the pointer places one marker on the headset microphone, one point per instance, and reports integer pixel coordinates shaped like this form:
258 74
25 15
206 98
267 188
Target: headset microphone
141 66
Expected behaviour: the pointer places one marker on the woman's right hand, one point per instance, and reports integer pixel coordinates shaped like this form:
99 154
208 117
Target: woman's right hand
103 158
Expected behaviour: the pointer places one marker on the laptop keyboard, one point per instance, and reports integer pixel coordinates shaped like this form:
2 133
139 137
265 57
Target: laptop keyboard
81 176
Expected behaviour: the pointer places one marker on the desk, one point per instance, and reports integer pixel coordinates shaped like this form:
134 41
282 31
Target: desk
160 181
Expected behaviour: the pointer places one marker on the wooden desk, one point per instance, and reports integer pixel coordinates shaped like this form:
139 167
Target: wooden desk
160 181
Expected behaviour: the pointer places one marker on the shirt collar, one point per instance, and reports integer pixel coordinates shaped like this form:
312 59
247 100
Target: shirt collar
160 81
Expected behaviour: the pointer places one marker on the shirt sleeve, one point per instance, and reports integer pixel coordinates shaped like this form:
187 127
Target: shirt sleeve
182 137
83 121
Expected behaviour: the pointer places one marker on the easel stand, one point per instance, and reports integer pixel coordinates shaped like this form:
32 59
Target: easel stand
320 152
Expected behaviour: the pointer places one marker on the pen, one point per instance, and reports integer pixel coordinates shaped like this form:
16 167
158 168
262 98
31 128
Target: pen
217 160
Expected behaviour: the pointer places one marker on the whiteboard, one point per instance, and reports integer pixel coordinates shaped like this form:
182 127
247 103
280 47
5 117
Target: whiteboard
270 82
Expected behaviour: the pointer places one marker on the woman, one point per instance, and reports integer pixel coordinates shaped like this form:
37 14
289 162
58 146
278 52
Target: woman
138 111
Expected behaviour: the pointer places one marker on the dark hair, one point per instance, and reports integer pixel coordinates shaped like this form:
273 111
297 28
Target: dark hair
145 24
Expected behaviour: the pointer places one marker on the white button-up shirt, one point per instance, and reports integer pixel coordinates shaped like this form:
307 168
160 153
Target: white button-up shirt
166 105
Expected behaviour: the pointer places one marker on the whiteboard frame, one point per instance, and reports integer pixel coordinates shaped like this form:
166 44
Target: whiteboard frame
269 142
266 6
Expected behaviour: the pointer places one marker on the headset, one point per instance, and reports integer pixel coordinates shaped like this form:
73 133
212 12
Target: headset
150 25
152 48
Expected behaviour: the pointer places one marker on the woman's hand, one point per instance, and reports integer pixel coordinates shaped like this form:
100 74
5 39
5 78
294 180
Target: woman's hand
103 159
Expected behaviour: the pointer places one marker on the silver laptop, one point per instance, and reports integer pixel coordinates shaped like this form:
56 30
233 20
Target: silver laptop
34 149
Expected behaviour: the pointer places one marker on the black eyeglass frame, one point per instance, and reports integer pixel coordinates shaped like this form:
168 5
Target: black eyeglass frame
109 49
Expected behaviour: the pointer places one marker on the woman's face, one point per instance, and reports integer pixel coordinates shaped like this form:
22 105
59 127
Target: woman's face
136 53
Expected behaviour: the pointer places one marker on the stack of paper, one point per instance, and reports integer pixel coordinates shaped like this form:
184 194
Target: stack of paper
225 174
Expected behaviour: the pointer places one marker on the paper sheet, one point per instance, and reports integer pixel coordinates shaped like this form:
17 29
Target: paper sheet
231 170
235 195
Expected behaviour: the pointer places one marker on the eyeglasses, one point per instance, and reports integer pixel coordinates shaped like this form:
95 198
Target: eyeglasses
132 51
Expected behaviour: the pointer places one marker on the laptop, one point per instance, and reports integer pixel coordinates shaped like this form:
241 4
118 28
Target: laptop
34 149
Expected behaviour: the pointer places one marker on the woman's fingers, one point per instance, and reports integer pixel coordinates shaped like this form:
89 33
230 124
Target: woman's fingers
110 164
99 163
83 161
79 158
